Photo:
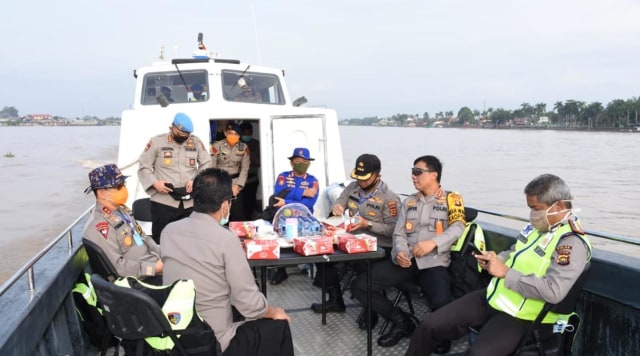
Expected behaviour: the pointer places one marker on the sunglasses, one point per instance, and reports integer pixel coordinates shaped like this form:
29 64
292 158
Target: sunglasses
418 171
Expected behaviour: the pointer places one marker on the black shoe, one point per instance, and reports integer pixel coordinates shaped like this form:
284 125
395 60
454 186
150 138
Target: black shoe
280 276
335 304
443 347
362 322
402 326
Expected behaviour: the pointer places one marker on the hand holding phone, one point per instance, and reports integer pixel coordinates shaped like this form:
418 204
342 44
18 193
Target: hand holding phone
474 248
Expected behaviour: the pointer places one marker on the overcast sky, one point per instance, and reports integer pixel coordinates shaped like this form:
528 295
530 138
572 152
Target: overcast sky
363 58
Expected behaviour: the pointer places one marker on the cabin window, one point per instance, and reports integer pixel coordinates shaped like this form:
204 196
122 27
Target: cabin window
251 87
191 86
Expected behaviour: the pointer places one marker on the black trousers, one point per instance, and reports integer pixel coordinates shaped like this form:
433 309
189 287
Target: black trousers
249 199
162 215
499 334
262 337
435 283
237 212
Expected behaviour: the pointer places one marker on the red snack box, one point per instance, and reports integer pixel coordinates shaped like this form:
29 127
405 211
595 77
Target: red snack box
262 249
243 228
313 245
357 243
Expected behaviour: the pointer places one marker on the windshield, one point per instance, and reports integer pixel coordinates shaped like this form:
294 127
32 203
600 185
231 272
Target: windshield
252 87
172 86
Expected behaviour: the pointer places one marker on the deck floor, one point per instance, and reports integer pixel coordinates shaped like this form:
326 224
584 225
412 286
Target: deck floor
340 336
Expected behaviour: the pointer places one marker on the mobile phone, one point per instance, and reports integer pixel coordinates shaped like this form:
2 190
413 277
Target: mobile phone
474 248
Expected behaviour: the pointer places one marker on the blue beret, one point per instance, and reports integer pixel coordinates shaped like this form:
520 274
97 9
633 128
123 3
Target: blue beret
107 176
183 123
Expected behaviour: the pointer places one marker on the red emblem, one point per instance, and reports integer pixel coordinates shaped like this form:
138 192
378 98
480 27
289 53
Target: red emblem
280 180
148 146
213 150
103 229
393 208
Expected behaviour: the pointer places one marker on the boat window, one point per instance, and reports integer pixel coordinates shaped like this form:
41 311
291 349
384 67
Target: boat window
251 87
192 86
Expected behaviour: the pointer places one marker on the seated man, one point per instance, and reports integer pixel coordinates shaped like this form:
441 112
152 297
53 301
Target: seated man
249 94
551 252
200 248
197 93
429 222
113 228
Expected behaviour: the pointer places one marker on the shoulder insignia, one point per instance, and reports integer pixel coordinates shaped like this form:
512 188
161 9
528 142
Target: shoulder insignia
280 180
411 203
103 229
576 227
564 254
213 150
148 146
456 208
190 142
106 210
393 208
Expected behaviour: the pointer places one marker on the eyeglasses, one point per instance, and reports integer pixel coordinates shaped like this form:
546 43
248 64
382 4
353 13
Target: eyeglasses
418 171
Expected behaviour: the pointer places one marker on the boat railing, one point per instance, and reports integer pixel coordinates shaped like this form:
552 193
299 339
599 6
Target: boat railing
28 268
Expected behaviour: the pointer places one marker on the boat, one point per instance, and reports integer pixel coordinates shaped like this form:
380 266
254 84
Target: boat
38 311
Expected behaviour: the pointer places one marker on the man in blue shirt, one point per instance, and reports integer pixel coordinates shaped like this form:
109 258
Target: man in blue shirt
302 188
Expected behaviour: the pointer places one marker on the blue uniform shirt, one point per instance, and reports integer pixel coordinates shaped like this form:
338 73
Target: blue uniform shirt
296 186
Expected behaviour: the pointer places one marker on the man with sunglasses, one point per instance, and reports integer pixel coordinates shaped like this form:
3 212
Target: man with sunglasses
166 170
233 156
429 222
113 228
372 208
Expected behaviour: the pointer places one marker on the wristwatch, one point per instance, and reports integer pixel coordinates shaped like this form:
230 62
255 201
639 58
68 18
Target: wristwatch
369 225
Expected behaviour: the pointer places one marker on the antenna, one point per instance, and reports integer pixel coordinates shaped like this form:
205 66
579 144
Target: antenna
255 30
161 57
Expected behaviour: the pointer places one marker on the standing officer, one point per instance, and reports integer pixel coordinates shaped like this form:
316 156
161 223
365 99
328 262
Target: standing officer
373 209
166 171
113 228
234 157
547 258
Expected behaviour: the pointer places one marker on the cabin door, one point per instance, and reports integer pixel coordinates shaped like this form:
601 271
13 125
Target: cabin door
290 132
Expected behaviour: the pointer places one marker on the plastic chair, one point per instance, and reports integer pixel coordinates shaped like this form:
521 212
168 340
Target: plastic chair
558 343
133 315
99 262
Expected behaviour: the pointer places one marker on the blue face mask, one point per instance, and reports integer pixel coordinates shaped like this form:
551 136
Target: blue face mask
245 138
225 219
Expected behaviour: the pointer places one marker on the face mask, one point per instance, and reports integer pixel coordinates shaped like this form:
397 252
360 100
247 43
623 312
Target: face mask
300 168
245 139
233 140
372 185
180 139
540 218
225 219
119 197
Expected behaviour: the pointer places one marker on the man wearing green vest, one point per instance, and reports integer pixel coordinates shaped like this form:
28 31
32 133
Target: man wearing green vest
549 255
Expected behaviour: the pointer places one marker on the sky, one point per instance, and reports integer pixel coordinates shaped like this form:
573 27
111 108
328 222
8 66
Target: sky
74 58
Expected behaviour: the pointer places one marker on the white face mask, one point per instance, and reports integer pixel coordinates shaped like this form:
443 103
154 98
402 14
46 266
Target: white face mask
225 219
540 218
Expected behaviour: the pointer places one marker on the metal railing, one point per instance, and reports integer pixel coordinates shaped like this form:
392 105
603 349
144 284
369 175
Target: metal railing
28 268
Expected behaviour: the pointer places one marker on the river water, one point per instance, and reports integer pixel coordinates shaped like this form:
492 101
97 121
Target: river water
42 186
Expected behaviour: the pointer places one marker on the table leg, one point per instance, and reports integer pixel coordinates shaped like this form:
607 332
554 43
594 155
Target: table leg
263 280
369 337
324 300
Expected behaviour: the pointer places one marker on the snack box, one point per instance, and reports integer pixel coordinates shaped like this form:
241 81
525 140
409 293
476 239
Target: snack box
313 245
262 249
243 228
357 243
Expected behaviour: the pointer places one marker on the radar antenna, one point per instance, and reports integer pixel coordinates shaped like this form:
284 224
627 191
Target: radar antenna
161 52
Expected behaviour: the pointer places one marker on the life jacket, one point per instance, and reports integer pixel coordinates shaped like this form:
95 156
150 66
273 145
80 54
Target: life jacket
532 256
178 303
466 274
90 314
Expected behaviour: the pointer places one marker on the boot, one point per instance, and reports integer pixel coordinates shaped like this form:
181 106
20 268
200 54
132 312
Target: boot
279 276
402 326
362 322
335 304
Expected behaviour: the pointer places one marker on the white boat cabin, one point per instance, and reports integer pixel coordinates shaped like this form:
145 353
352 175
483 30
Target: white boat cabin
231 91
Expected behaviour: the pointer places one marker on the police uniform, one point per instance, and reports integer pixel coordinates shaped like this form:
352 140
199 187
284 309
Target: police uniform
543 267
165 159
122 240
296 186
235 160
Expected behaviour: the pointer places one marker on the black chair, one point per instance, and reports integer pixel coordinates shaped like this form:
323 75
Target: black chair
141 209
99 262
133 315
558 343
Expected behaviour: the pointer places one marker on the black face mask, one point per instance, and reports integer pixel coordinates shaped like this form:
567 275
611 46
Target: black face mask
180 139
372 185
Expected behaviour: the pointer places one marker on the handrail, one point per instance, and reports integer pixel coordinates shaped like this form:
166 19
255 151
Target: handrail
28 267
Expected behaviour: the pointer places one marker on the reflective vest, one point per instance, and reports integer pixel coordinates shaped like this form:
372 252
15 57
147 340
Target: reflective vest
88 294
179 307
478 240
532 256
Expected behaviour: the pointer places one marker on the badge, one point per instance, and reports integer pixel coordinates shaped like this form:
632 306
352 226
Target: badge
393 208
174 318
371 213
167 161
564 254
103 229
127 241
408 226
167 154
192 161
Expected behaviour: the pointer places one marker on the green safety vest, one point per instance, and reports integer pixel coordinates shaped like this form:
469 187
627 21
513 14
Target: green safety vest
179 307
532 255
478 240
88 293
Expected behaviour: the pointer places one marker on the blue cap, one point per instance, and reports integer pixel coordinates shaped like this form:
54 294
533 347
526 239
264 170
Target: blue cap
235 127
302 153
197 87
183 123
107 176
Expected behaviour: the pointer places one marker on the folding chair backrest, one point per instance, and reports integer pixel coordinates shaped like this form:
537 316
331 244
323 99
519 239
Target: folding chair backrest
99 262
